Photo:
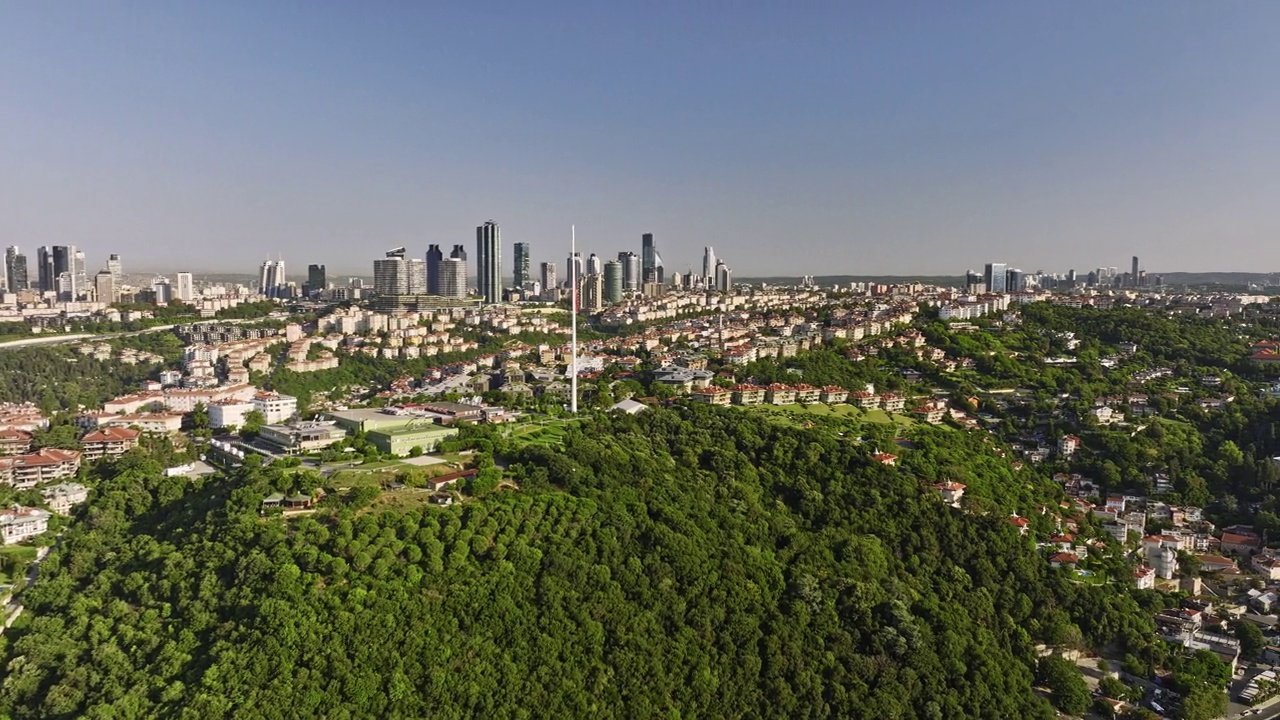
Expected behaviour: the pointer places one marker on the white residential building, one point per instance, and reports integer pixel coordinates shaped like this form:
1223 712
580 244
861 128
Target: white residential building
64 497
276 408
229 413
19 523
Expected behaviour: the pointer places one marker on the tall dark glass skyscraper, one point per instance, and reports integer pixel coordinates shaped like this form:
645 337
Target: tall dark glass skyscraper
316 280
650 261
520 272
434 256
995 275
489 262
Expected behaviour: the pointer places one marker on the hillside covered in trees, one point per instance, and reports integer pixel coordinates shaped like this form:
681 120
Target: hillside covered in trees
680 563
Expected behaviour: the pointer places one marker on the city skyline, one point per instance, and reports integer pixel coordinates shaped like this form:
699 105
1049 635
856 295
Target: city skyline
877 140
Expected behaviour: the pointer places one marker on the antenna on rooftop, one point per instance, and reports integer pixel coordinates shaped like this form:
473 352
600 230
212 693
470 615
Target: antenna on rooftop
573 321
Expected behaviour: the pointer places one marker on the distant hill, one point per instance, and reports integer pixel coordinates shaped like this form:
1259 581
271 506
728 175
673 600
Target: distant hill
1220 278
953 280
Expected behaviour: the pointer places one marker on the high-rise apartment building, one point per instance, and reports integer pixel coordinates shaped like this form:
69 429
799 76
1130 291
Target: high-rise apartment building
271 280
104 286
723 277
79 274
399 275
650 260
162 290
520 273
594 265
186 290
591 293
573 267
489 261
453 276
630 271
994 276
613 282
317 281
549 287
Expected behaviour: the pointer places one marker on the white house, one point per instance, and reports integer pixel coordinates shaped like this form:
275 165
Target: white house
63 497
19 523
276 408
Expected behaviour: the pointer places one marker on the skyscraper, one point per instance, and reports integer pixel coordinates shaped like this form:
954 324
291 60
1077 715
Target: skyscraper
1133 275
186 291
594 266
994 277
398 275
271 280
630 271
709 265
489 261
162 289
650 261
116 270
573 267
434 256
520 273
613 281
549 288
723 277
104 285
78 274
15 264
53 262
592 293
317 282
453 276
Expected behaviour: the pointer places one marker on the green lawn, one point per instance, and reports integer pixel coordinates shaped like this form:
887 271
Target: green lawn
794 414
14 560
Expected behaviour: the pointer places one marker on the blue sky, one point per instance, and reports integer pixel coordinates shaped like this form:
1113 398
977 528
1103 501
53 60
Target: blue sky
860 138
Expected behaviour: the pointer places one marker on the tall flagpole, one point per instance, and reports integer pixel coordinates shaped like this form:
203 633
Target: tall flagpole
573 319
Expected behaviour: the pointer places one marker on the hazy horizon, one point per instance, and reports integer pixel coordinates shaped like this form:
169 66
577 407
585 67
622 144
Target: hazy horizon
882 140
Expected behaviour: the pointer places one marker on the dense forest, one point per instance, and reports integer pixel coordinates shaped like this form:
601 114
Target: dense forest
688 562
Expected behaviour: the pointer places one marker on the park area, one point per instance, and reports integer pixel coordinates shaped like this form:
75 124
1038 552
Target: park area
798 415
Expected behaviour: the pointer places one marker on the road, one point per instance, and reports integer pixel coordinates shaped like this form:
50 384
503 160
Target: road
13 609
55 339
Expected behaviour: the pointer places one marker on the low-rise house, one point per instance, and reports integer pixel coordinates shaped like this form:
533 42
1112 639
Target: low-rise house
1063 559
1068 445
713 396
1236 544
14 442
747 394
41 466
1144 578
807 394
951 492
779 394
1216 564
150 423
63 498
931 414
1021 523
1266 565
893 402
109 442
833 394
19 523
885 458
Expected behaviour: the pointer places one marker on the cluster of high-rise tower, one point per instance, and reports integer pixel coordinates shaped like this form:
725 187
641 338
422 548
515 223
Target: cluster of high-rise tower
60 269
1000 278
600 282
